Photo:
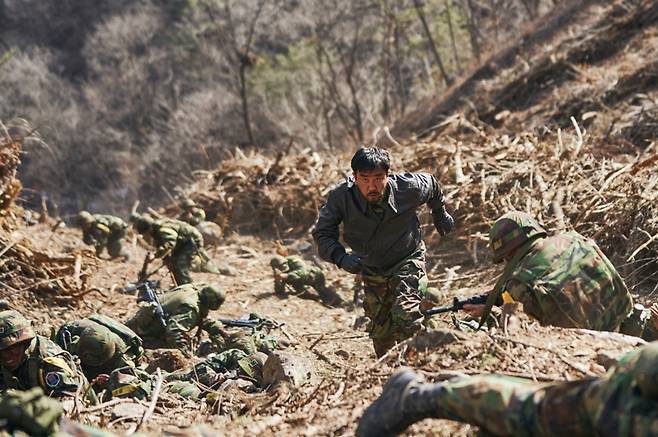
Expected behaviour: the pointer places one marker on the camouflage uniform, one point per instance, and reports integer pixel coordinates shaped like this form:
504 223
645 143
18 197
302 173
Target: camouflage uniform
563 280
186 307
34 413
104 231
623 402
230 364
391 300
300 277
178 243
44 363
191 213
101 343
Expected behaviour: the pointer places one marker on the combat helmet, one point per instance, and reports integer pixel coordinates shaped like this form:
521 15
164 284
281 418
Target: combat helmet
14 328
188 203
95 346
253 364
278 263
142 223
646 371
212 296
512 231
85 218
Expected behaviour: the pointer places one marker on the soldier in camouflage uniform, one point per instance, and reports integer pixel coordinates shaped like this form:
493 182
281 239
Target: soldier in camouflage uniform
28 360
293 271
380 224
191 213
178 243
104 231
217 368
34 413
564 280
186 307
623 402
101 343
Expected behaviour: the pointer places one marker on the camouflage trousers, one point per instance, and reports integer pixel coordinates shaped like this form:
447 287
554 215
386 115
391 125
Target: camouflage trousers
509 406
392 298
301 284
180 262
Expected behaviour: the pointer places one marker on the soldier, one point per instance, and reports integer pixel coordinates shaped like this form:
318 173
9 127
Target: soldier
104 231
29 360
217 368
296 273
178 243
378 212
185 307
191 213
623 402
564 280
101 343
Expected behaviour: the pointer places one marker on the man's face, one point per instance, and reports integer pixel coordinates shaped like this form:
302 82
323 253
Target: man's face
13 356
372 184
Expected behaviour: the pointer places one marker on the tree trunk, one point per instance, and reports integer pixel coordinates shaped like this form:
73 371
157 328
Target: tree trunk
453 43
437 57
245 104
472 28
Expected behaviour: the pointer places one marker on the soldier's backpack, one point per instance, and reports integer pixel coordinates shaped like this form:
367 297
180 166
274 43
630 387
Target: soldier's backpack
132 340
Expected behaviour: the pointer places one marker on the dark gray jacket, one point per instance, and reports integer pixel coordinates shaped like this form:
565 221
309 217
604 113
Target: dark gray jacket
380 243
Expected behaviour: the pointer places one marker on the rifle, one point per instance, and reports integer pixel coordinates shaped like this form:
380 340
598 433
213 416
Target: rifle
131 287
152 297
458 304
250 323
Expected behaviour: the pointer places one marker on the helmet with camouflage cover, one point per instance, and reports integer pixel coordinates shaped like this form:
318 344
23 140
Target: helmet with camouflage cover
278 263
85 218
212 296
96 346
141 222
512 231
646 371
252 365
188 203
14 328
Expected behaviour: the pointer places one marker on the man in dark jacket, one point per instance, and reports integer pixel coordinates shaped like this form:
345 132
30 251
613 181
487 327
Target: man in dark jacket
378 212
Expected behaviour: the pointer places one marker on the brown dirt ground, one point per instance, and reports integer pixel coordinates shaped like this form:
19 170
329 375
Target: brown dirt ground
348 374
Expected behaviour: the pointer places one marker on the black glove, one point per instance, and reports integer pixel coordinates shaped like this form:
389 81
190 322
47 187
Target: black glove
443 222
350 263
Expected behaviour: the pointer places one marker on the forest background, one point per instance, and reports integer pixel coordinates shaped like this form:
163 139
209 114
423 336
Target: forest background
131 97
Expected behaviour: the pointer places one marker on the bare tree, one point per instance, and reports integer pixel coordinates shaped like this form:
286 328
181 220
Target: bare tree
435 52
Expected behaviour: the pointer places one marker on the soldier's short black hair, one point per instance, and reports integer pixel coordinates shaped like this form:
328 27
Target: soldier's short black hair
368 159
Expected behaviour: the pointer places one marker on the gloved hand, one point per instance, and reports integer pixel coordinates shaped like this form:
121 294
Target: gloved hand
350 263
443 222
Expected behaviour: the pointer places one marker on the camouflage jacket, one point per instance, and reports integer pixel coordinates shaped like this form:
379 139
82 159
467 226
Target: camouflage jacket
381 241
184 311
103 350
47 366
566 281
616 406
193 215
299 273
170 236
103 228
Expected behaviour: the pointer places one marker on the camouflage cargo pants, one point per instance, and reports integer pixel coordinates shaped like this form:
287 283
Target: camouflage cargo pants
115 244
391 300
512 406
180 263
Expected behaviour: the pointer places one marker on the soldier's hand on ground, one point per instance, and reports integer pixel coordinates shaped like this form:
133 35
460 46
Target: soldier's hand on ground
426 305
474 310
350 263
443 222
102 380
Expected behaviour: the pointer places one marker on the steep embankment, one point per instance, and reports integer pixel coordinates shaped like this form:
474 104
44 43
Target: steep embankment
592 61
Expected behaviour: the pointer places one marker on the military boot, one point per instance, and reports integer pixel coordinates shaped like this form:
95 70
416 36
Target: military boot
406 399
